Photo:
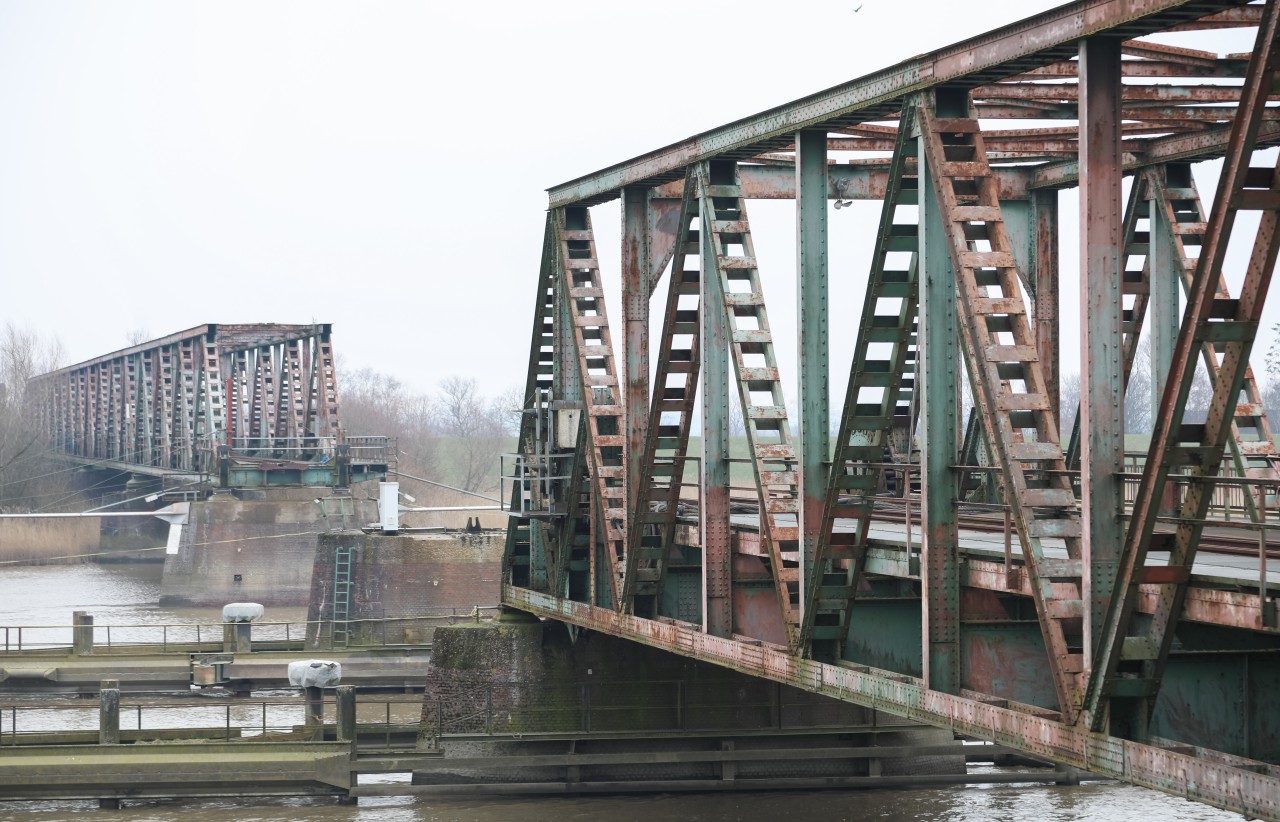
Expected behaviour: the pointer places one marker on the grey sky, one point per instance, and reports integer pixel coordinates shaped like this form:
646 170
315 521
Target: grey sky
381 165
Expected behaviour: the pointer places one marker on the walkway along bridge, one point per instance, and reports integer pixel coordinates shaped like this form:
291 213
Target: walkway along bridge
1101 631
241 405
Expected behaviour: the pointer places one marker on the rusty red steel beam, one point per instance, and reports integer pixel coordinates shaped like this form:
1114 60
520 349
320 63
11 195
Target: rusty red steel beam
1240 17
1163 51
1205 779
1210 606
1056 92
1039 40
866 180
1226 67
1204 144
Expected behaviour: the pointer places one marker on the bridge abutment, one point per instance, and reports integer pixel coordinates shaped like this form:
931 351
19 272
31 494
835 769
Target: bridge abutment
523 704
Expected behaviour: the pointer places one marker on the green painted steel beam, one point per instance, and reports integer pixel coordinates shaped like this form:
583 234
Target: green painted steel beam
717 551
814 340
1102 372
939 360
1165 283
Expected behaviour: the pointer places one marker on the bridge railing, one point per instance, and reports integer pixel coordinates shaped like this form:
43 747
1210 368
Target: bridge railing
196 637
162 716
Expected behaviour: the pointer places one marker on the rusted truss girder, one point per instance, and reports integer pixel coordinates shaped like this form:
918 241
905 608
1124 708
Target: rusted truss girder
977 226
1131 657
1038 41
1228 782
169 403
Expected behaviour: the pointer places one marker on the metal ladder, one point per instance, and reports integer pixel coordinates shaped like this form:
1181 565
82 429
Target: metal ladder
342 578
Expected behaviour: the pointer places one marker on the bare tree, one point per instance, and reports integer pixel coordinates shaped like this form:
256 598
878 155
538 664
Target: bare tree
476 432
26 472
376 404
1138 401
1069 402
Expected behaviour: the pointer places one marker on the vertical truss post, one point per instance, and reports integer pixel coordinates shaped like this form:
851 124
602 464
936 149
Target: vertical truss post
717 556
1132 655
635 321
1044 210
813 347
1102 368
939 357
1164 277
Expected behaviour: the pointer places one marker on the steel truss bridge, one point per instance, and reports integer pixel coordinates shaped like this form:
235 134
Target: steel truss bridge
246 405
1103 630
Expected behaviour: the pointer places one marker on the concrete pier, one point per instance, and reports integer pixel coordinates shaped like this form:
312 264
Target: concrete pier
521 703
256 545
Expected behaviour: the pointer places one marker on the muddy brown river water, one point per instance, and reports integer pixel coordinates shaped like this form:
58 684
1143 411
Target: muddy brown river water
127 595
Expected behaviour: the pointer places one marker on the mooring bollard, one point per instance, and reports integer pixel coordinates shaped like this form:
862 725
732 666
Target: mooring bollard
82 633
345 721
346 713
109 712
237 626
108 727
315 706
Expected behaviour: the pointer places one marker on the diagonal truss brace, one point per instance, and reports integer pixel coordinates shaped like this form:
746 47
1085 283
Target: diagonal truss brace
1000 348
662 468
1184 227
601 401
527 487
1131 657
764 409
1135 289
880 392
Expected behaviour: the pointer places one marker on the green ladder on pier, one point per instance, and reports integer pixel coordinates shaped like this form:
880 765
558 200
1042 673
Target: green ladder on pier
341 596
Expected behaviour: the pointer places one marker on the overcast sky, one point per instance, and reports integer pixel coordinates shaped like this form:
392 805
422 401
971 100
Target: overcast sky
382 165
